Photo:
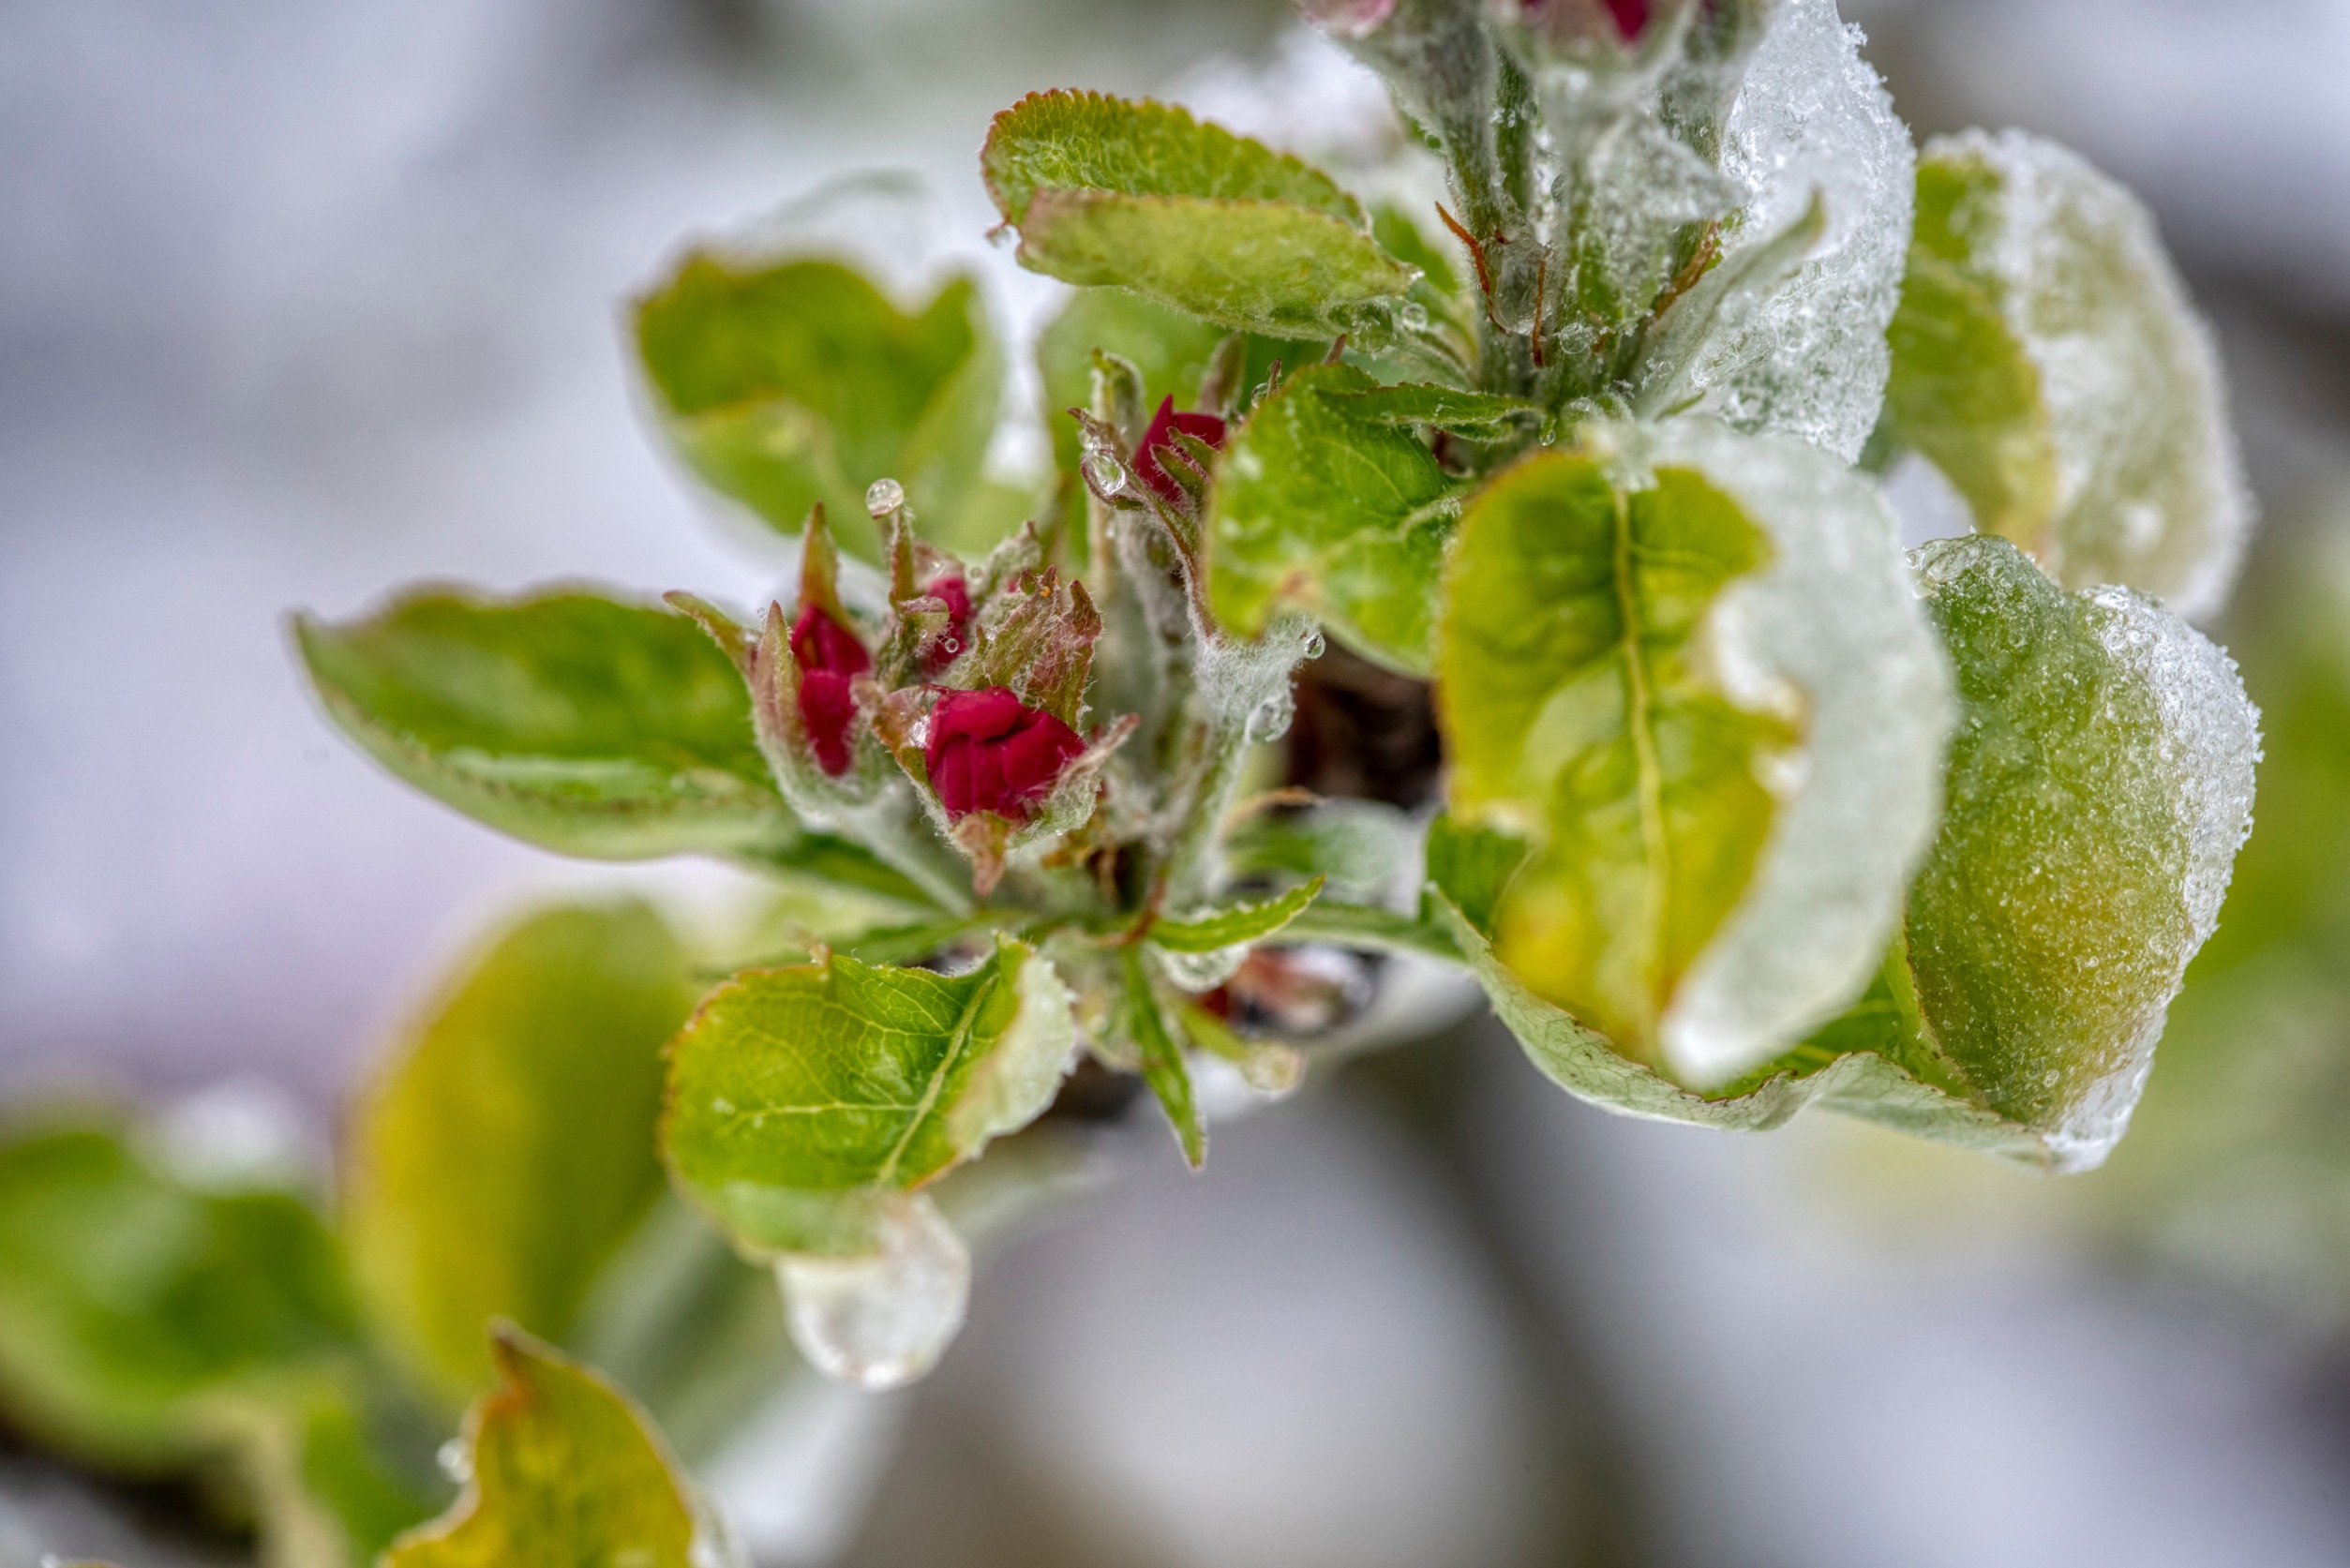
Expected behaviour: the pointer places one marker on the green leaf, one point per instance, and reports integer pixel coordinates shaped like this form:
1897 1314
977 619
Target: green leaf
566 1473
506 1151
785 383
1235 925
2048 359
1444 407
1076 141
1172 350
1141 195
138 1316
1143 1019
1335 512
2099 784
1366 849
578 723
801 1098
1691 674
1473 866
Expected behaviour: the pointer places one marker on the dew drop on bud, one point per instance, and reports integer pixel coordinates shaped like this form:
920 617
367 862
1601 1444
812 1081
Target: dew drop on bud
1105 474
881 1320
1270 720
883 497
1315 644
456 1459
1414 316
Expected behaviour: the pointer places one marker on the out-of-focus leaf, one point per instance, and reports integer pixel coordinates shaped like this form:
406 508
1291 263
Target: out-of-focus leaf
803 1099
1697 683
575 722
1333 511
566 1473
1141 195
1367 850
1237 924
785 383
135 1311
507 1149
2099 784
2046 357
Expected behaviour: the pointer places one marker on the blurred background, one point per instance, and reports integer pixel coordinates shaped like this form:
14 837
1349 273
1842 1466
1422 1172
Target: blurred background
301 302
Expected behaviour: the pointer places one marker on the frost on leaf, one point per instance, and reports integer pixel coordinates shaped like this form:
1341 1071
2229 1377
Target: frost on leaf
2048 360
1809 358
1690 675
2100 782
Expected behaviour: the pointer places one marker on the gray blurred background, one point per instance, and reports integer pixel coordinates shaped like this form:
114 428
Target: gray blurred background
299 301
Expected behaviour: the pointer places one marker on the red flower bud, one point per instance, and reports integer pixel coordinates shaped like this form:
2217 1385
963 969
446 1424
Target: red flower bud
989 752
950 588
1631 16
1163 425
829 657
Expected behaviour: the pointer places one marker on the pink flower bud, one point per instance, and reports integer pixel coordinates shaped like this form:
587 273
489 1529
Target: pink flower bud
989 752
949 587
829 657
1164 425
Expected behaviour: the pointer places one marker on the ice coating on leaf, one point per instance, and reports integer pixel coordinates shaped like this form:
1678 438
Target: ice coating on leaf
1831 629
1810 359
2099 784
882 1320
2149 487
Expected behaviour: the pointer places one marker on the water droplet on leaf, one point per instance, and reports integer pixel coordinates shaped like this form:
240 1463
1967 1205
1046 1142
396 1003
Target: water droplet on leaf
456 1459
883 497
1270 720
1105 474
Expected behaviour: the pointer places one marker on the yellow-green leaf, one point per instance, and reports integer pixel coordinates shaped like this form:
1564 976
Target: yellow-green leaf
566 1473
2099 784
1693 678
506 1150
788 382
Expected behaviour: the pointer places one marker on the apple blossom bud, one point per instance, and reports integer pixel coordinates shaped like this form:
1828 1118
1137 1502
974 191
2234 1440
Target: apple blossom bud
1163 425
989 752
829 656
